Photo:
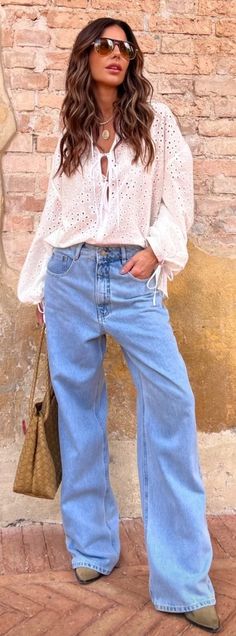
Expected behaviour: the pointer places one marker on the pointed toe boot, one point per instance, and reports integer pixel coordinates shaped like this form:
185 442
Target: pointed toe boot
86 575
205 617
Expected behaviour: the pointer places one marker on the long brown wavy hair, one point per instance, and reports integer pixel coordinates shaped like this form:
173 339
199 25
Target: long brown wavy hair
133 114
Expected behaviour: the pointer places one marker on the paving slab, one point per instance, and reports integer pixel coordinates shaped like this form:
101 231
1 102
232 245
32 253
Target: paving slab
39 593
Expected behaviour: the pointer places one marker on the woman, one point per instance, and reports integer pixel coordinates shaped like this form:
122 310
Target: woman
113 230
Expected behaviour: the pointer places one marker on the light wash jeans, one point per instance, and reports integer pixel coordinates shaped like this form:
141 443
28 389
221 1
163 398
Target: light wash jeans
87 297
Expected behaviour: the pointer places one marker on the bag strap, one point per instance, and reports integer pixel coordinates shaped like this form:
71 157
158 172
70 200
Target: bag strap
35 377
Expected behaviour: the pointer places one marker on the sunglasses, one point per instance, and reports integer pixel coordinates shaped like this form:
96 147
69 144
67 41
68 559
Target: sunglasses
104 46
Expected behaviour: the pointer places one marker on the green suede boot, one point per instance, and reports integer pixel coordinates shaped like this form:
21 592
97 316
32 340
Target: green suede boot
86 575
205 617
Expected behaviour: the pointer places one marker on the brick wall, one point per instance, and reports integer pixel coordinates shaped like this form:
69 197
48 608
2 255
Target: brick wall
189 48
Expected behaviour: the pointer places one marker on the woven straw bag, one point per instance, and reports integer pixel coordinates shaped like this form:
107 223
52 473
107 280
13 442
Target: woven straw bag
39 470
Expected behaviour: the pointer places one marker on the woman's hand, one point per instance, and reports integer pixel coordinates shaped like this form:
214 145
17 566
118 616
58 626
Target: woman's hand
142 264
39 315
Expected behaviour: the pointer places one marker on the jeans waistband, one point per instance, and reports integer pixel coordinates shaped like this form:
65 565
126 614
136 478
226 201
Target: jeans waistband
112 252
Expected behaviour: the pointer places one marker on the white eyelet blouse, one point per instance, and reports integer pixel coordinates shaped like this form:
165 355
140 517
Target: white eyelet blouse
143 207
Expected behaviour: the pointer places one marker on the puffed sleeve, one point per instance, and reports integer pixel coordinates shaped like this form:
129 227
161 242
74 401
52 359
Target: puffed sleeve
31 281
168 234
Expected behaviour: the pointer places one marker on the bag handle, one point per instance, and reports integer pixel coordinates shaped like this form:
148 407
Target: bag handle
35 377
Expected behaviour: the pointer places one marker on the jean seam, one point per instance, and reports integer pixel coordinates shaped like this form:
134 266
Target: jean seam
165 607
92 566
104 441
145 463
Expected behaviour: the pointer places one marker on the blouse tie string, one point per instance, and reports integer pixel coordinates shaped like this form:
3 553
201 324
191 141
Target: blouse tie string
160 276
106 184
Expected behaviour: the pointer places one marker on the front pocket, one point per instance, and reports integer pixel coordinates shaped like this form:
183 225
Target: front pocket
140 280
59 264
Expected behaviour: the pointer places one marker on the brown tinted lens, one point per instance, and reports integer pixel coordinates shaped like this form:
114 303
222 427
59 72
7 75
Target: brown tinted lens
127 50
103 46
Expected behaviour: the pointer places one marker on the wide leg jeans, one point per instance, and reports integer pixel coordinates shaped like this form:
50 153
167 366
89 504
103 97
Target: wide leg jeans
87 297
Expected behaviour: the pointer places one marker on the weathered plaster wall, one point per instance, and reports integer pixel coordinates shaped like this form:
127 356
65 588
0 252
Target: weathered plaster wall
189 57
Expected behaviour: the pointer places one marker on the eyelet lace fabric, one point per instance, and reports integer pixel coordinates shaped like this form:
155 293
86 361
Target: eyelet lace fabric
132 206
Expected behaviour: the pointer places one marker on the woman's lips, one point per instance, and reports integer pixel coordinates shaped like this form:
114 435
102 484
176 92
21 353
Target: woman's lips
113 69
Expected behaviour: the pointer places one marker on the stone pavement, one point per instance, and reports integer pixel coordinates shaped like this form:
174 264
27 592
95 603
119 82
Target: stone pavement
39 593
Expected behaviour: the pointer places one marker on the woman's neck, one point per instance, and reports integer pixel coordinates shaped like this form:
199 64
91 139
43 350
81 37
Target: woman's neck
105 97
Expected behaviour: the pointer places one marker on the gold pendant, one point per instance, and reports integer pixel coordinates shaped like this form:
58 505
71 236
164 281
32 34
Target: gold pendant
105 134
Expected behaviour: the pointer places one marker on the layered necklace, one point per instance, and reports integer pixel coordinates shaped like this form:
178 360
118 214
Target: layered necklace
105 132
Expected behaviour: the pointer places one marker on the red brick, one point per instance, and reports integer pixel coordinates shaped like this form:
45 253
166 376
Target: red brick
19 182
216 7
214 167
24 2
80 594
35 547
142 623
188 125
43 123
55 541
13 162
57 81
18 602
194 26
226 28
48 596
81 4
21 143
13 550
42 621
9 619
6 37
50 100
148 43
46 144
213 207
19 58
218 86
205 45
217 128
65 38
15 204
21 223
64 19
109 622
205 64
224 185
167 84
203 184
219 146
73 623
176 44
226 65
32 37
23 122
24 100
28 79
165 63
225 106
57 60
187 7
150 6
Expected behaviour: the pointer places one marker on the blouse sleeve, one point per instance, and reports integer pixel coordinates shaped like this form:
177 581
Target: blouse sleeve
31 281
168 234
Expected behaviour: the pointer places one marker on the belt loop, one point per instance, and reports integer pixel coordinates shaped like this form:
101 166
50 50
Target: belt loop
78 250
123 254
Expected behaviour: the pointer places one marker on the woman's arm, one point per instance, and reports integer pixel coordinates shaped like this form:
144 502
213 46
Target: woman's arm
31 281
168 234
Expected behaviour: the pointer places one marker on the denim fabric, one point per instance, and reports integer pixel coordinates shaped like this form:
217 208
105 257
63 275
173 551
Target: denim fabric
87 297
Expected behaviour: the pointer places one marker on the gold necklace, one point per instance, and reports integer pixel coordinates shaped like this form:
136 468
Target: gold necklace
105 132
